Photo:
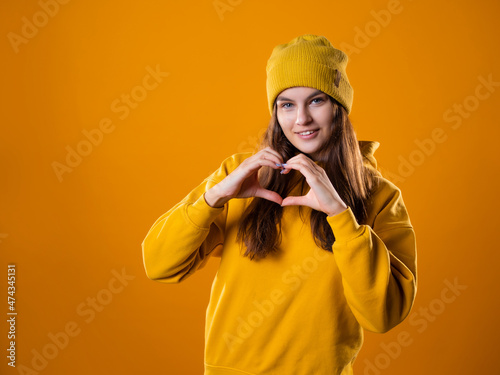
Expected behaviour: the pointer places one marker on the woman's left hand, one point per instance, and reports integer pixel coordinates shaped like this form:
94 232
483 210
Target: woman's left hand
322 196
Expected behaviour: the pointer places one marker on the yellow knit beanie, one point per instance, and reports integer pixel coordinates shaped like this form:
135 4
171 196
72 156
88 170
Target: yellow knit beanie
311 61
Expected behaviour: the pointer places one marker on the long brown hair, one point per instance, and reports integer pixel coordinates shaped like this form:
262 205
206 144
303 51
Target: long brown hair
260 229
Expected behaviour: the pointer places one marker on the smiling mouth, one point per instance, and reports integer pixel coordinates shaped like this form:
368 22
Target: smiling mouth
308 132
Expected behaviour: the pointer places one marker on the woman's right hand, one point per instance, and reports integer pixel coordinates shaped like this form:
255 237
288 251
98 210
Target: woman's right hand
243 182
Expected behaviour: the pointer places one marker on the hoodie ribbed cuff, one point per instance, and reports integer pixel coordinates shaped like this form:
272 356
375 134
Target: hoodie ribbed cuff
201 214
344 225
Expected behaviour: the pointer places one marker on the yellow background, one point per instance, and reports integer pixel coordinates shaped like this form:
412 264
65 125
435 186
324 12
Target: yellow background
69 238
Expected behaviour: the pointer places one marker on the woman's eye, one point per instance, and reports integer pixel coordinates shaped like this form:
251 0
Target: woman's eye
286 105
317 100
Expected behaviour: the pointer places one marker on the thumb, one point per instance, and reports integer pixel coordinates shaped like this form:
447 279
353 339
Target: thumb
295 201
269 195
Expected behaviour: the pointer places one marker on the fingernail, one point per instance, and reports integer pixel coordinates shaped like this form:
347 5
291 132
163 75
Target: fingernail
284 165
278 165
282 171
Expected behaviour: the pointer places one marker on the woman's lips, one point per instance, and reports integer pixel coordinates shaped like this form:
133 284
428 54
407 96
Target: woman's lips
307 134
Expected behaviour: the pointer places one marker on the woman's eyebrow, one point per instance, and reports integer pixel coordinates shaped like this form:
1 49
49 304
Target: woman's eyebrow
282 98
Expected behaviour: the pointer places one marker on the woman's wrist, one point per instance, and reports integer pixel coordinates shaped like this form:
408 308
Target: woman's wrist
214 199
337 210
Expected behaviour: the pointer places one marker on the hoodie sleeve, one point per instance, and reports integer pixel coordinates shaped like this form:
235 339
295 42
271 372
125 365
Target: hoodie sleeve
182 239
377 262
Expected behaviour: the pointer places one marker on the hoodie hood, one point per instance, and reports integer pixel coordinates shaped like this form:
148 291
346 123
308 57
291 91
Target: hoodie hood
368 148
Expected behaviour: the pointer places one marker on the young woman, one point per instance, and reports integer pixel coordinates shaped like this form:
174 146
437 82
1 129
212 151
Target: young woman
314 244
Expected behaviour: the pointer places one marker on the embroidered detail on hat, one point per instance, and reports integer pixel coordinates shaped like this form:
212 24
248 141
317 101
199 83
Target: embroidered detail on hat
337 78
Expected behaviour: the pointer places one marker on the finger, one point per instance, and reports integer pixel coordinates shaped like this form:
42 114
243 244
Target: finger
302 157
274 157
269 195
256 164
269 154
251 166
308 171
273 152
295 201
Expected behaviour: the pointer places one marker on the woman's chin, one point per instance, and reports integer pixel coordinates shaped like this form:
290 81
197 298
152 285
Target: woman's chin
311 152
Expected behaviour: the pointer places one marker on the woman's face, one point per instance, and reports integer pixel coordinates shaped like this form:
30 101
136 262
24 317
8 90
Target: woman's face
305 116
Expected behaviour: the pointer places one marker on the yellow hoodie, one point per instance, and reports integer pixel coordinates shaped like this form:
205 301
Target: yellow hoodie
303 310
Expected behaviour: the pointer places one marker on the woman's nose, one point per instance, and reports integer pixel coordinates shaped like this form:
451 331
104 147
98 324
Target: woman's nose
303 116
